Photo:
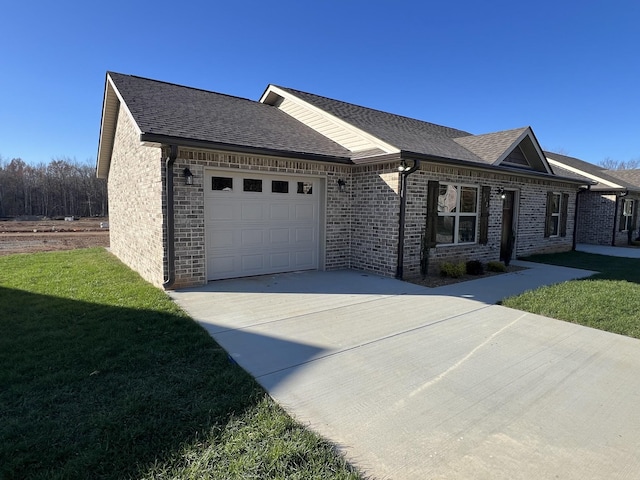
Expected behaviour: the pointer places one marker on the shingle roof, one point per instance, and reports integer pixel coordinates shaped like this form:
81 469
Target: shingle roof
407 134
587 168
490 146
631 176
171 110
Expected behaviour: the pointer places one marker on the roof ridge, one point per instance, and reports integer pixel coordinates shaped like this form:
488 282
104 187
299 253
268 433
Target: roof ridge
187 87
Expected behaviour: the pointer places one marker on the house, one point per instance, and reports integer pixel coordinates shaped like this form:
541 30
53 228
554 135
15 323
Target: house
206 186
607 211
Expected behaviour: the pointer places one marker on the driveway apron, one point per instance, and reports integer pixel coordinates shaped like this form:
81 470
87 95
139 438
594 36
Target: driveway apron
412 382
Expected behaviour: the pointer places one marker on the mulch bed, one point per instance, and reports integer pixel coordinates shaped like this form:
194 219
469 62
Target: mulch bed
433 281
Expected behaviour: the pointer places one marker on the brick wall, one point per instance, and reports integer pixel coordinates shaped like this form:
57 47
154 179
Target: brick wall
596 217
135 202
530 199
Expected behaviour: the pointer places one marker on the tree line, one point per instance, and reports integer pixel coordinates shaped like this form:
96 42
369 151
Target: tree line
63 187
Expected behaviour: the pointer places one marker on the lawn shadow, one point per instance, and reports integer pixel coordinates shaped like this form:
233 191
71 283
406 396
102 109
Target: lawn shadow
91 390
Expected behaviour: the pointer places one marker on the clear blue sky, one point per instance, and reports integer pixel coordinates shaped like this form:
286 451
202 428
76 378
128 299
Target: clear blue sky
571 70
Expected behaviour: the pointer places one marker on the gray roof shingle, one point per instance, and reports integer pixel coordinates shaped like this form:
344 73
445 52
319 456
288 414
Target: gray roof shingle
490 146
171 110
614 176
407 134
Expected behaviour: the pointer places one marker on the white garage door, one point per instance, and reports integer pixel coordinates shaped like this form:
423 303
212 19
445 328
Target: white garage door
258 224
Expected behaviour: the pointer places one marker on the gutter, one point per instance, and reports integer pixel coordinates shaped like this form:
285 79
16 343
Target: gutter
170 276
404 173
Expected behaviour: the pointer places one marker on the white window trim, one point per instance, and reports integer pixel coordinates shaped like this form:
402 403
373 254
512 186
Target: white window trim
628 219
557 214
458 214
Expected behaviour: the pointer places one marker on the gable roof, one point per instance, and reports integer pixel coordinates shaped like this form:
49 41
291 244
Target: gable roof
165 113
598 178
292 123
397 133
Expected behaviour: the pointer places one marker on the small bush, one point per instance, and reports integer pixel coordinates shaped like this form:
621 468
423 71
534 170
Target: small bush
475 267
496 267
453 270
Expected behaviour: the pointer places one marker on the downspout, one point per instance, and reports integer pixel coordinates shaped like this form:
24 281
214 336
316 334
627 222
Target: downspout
404 173
170 276
615 219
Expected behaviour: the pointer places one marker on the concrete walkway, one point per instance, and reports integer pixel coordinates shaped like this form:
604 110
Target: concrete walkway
439 383
628 252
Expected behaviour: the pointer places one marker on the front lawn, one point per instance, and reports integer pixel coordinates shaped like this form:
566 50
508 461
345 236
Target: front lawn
609 300
102 376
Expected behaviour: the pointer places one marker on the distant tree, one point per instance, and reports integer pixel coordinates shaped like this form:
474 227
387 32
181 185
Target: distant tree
64 187
611 164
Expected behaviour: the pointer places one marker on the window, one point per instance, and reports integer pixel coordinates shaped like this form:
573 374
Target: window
305 188
626 219
556 214
252 185
222 184
279 186
457 214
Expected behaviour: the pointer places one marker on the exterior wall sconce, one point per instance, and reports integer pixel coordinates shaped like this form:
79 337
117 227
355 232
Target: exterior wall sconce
501 193
403 166
188 176
341 185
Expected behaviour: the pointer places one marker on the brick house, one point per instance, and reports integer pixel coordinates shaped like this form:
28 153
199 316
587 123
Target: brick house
607 212
205 186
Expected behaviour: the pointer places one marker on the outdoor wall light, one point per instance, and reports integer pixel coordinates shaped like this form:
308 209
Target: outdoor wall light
341 185
501 193
188 176
403 166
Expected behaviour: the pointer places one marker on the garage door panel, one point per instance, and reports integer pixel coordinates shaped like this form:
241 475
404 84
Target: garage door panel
255 233
279 235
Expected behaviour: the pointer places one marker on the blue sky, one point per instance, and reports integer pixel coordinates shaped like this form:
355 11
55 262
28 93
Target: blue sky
571 70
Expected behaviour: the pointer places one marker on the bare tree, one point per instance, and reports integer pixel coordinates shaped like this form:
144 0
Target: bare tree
611 164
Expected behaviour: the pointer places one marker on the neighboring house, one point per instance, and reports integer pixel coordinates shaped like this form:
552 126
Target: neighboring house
206 186
607 212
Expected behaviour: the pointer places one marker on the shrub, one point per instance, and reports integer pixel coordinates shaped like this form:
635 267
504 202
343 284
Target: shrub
496 267
453 270
475 267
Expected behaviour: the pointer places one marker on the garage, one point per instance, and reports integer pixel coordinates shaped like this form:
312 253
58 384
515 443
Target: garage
258 224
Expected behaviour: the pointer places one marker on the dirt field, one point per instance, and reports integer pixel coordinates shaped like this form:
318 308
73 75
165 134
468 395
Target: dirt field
45 235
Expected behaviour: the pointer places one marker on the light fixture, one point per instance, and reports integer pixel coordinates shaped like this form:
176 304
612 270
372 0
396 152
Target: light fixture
501 192
341 185
188 176
403 166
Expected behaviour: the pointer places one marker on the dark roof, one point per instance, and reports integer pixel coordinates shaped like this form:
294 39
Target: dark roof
407 134
168 110
591 169
631 176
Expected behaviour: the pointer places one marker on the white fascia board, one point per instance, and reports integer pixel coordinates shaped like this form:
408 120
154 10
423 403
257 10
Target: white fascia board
583 173
526 133
375 141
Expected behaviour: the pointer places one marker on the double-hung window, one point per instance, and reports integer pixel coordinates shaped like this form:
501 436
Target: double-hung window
554 215
626 219
457 214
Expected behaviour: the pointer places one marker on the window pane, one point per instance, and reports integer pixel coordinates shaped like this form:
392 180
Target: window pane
445 230
556 203
628 207
252 185
467 230
279 186
305 188
554 225
447 198
222 183
469 200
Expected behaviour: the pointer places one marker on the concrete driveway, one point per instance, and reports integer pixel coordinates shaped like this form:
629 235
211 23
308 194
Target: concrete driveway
440 383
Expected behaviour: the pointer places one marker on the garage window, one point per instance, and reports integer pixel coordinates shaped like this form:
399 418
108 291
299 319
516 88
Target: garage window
279 186
305 188
222 184
252 185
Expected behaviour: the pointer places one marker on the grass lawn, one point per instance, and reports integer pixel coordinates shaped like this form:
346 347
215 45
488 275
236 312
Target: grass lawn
608 301
102 376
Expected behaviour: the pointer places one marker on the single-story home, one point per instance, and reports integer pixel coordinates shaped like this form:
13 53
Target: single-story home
607 209
206 186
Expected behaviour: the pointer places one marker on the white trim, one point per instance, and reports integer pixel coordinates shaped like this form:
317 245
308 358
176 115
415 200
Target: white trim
373 141
583 173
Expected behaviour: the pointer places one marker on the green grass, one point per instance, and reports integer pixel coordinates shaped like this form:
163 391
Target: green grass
609 300
102 376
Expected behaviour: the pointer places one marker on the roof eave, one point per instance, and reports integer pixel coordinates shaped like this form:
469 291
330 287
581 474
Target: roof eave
152 138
